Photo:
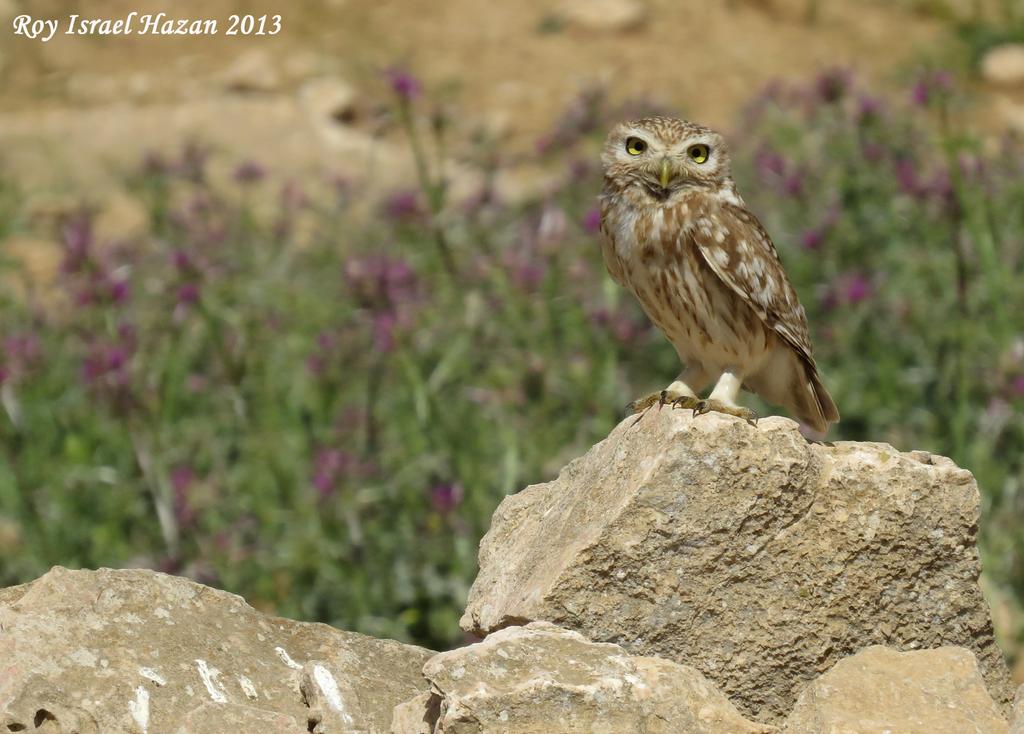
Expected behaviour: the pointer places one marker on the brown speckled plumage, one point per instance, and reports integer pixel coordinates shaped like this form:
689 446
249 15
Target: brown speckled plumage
703 268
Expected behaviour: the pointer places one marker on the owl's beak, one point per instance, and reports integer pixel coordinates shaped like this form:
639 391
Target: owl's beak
666 173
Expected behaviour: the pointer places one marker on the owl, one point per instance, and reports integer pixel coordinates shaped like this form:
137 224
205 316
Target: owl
677 234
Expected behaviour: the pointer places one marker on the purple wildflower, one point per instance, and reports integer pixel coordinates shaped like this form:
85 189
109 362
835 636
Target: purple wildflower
22 347
907 178
403 205
384 326
404 84
793 184
857 289
592 220
326 340
813 239
769 163
329 467
1017 386
21 352
182 261
188 294
127 334
249 172
852 288
320 357
868 109
387 288
380 282
106 365
528 274
930 86
119 291
316 364
941 187
832 84
920 93
446 497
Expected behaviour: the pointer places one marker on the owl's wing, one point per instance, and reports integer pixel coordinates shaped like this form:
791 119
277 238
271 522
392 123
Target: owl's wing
738 249
611 260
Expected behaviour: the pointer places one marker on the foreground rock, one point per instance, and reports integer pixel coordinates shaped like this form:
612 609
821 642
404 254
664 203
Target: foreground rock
879 689
747 552
1018 712
540 679
136 651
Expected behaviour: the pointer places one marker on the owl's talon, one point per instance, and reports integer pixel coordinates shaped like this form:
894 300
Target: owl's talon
706 406
641 405
665 397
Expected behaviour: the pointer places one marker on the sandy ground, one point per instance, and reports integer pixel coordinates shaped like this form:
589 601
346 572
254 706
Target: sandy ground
78 107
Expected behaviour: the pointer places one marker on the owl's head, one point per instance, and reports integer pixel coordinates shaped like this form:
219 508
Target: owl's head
664 155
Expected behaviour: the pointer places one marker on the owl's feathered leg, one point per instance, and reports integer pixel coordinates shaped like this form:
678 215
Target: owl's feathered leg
723 399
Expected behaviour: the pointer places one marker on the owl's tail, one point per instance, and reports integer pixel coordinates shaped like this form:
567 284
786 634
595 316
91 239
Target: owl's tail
791 379
817 409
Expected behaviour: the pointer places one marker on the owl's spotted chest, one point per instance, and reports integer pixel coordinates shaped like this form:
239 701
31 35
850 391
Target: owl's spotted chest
702 317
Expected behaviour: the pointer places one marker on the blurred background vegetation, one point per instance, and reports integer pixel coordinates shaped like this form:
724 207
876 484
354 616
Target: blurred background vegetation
292 316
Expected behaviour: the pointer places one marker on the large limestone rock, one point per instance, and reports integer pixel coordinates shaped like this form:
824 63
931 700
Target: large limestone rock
540 679
106 652
744 551
879 689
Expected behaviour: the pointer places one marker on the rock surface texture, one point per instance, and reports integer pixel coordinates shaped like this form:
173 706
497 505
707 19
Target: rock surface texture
919 692
105 652
744 551
1018 713
540 679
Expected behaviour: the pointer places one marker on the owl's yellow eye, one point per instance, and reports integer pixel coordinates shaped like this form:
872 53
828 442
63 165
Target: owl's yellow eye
635 146
699 153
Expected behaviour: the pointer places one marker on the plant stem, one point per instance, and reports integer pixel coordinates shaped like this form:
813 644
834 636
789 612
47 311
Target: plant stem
433 190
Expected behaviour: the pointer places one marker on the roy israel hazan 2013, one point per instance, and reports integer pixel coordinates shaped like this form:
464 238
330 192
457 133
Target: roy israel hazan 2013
144 24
